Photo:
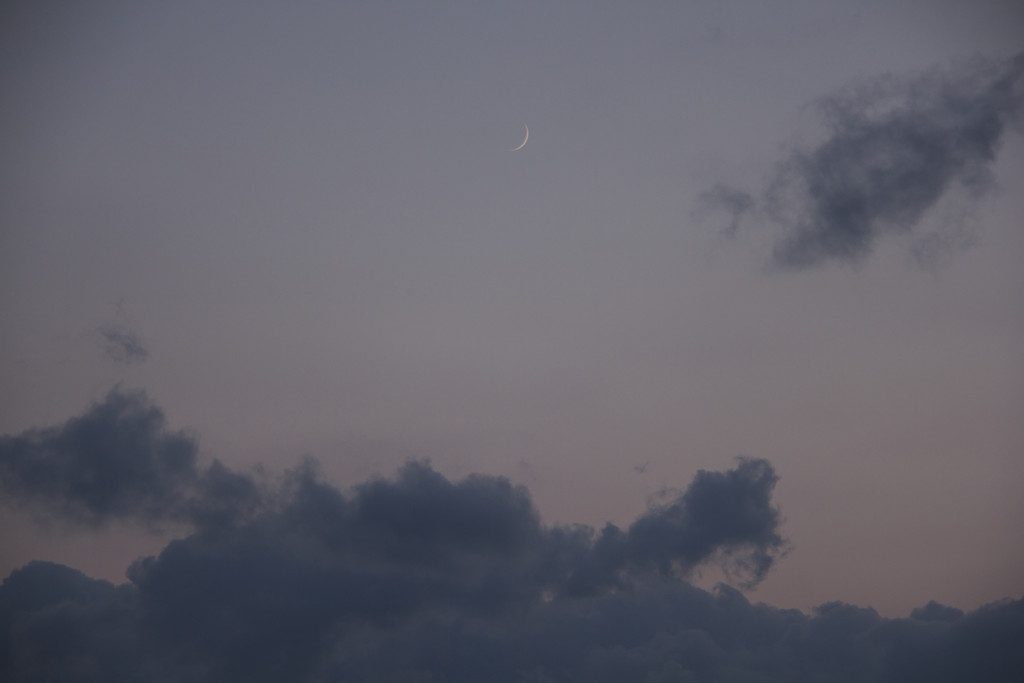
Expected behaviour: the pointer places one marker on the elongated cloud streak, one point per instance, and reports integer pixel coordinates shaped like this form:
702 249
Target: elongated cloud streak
894 148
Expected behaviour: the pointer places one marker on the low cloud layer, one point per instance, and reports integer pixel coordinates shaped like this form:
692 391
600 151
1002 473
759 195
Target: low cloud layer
421 578
894 148
60 625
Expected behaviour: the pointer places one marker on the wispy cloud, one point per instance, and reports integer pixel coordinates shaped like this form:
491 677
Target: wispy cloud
120 342
894 148
122 345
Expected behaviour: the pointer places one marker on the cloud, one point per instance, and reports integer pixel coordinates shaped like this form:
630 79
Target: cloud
727 512
421 578
734 201
396 551
894 149
728 515
122 345
57 624
118 461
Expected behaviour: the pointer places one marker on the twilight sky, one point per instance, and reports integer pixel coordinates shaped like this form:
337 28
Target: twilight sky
293 230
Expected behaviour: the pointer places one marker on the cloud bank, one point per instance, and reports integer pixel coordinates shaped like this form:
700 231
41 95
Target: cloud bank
421 578
894 148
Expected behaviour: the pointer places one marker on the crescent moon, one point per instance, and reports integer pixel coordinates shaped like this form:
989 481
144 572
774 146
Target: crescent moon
523 144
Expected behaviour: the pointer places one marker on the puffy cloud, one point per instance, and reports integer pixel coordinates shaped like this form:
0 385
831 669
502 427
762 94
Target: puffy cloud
59 625
396 552
935 611
894 148
725 514
720 511
118 461
422 578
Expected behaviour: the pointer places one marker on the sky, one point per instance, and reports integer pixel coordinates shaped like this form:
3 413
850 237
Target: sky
733 343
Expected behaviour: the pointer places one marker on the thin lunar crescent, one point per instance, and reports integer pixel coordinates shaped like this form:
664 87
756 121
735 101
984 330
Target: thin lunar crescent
524 139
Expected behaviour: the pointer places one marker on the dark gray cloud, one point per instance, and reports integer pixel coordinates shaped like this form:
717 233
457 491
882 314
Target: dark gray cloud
118 461
396 551
421 578
57 624
728 511
894 148
728 514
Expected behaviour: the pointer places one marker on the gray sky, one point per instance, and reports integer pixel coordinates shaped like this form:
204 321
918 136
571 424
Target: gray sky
299 228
